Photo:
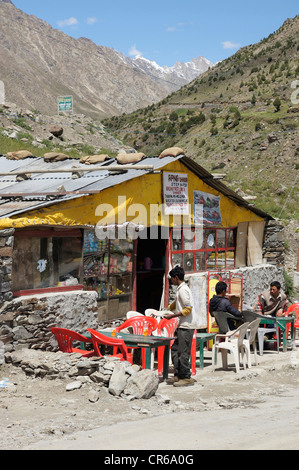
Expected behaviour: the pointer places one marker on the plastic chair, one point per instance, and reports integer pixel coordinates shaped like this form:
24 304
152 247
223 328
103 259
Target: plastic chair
193 354
251 341
293 309
221 320
117 344
234 342
65 339
169 327
137 325
249 315
132 314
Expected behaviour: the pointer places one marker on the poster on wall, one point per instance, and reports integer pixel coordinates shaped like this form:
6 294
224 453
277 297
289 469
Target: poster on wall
206 208
176 199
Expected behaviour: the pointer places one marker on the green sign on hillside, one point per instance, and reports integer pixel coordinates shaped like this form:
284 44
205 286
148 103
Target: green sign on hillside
65 103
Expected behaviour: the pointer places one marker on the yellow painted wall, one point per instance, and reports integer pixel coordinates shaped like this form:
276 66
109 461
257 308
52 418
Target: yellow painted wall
120 201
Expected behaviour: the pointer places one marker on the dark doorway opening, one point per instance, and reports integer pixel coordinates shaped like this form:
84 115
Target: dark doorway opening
150 272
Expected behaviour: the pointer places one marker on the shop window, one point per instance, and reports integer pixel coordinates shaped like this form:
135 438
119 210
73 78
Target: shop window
108 270
205 249
47 260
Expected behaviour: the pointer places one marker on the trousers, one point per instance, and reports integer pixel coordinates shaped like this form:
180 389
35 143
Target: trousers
181 352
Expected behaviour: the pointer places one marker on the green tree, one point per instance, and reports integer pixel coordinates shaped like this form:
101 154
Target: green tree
277 104
173 116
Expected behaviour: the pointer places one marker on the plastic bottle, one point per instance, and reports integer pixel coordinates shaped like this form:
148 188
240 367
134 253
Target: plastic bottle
145 329
113 332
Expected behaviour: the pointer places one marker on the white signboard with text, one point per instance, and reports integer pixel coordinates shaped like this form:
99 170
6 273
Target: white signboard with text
176 199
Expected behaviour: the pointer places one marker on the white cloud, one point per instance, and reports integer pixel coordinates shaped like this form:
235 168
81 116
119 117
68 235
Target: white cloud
133 52
171 29
92 20
69 22
230 45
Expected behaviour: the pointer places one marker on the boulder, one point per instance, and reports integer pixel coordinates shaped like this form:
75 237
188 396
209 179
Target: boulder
73 386
57 131
118 379
272 138
143 384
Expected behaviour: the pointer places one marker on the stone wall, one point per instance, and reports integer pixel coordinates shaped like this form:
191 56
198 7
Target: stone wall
256 279
26 322
6 248
274 246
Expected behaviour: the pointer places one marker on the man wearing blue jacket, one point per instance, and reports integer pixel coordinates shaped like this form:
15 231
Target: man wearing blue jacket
221 303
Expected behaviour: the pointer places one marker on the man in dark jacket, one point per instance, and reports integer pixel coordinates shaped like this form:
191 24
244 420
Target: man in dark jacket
221 303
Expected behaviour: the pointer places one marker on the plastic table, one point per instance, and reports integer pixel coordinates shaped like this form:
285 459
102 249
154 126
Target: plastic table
281 323
148 342
201 339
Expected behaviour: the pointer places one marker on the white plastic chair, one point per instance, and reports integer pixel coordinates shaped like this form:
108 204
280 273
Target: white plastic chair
132 314
252 330
234 342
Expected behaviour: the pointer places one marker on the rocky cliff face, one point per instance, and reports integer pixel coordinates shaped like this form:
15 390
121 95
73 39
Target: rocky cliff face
39 63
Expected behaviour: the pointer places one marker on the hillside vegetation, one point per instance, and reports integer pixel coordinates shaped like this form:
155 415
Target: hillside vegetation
240 118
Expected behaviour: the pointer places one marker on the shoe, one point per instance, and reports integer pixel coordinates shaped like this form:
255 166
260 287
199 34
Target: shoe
172 380
184 382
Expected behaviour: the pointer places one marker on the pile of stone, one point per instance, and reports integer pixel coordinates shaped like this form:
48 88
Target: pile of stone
120 377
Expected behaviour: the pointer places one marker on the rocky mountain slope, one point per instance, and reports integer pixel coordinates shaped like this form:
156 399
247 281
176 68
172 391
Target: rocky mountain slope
39 63
240 118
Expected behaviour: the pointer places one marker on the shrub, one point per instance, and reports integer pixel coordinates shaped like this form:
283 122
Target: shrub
173 116
277 104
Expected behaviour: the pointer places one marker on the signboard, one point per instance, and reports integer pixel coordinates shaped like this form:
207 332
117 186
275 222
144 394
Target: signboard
176 200
65 103
2 92
206 208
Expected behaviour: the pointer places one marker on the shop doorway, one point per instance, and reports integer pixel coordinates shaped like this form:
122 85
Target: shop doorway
150 273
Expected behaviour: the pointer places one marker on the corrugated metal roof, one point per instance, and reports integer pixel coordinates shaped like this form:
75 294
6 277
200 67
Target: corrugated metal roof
22 196
17 197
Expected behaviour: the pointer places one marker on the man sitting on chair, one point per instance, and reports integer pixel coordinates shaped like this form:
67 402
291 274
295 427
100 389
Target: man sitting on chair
221 303
274 301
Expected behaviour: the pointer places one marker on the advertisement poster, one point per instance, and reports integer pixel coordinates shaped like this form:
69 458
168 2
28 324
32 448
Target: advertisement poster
176 200
206 208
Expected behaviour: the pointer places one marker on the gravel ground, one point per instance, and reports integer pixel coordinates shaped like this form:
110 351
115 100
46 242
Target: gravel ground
261 403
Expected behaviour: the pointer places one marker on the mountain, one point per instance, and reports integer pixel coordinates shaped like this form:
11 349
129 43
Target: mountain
240 119
172 78
39 63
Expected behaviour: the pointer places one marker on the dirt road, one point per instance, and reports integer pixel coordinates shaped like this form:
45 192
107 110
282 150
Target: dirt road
256 409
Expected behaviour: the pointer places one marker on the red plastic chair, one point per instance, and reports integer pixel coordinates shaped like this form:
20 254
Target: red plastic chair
170 326
193 354
137 324
65 339
117 344
294 308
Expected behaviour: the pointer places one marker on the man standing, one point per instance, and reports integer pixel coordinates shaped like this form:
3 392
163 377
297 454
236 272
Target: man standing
274 301
181 348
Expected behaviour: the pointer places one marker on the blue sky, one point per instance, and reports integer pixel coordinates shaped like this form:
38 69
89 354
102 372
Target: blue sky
166 30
